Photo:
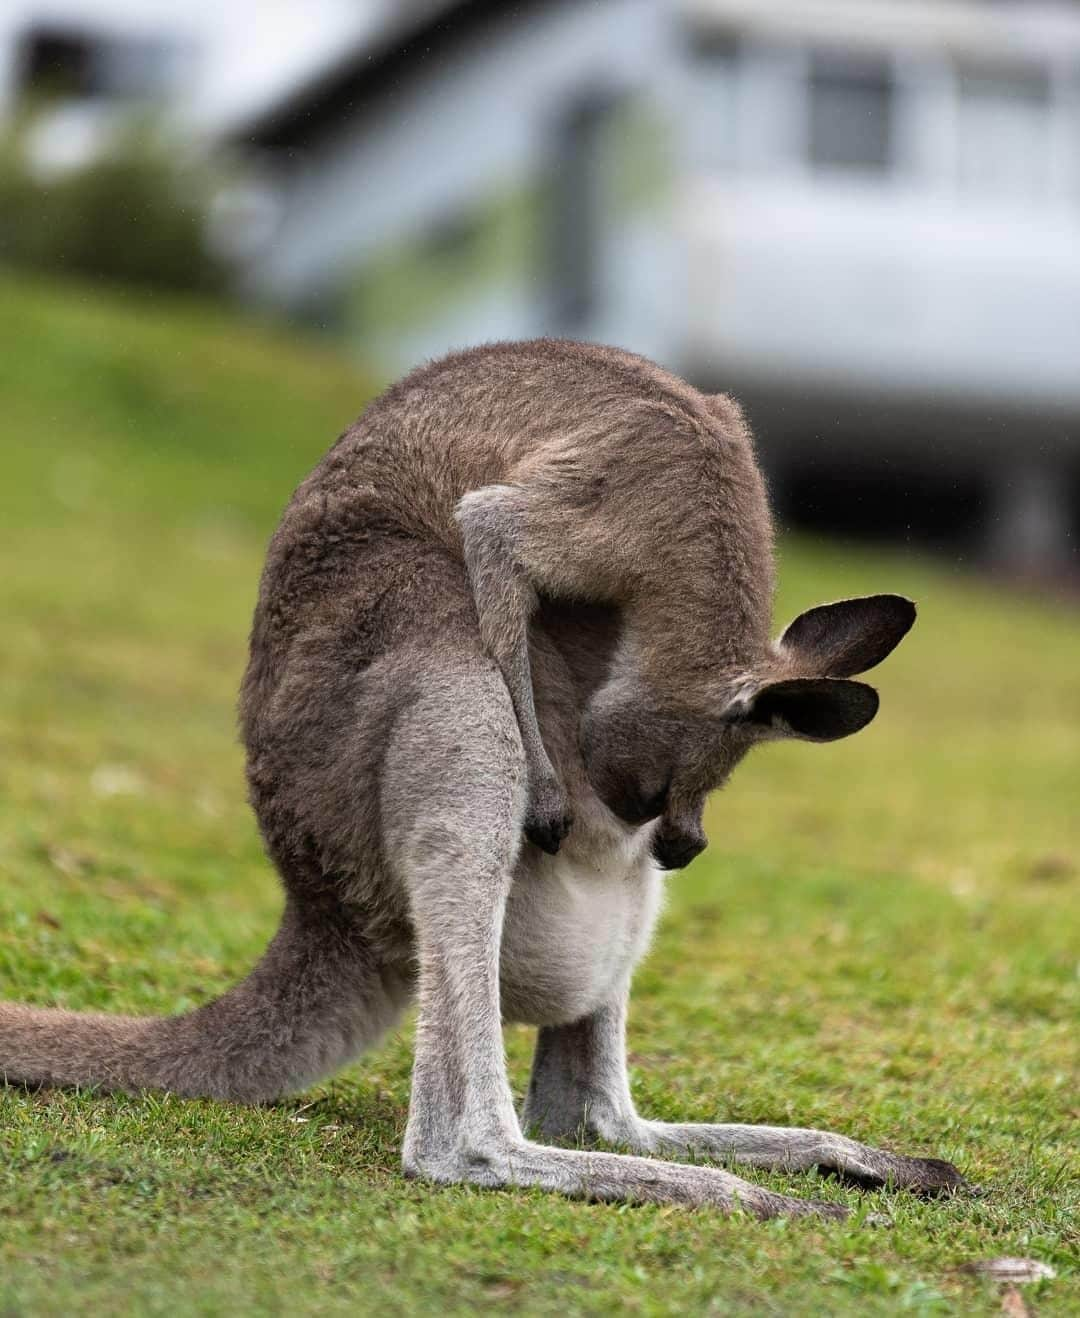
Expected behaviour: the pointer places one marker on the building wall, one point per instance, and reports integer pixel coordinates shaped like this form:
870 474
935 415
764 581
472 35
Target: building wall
472 158
800 220
899 215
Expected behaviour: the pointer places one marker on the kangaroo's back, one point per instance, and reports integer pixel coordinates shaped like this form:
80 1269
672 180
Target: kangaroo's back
384 497
468 419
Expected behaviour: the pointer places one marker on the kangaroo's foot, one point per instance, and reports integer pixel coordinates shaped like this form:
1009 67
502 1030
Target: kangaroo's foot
795 1149
579 1086
506 1159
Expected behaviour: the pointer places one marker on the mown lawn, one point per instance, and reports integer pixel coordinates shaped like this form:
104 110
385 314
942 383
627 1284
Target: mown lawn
883 937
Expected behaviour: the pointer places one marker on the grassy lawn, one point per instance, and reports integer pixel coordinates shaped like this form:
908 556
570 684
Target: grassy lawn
882 938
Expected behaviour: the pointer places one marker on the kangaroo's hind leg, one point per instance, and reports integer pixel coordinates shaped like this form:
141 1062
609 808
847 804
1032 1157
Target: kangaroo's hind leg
579 1085
453 799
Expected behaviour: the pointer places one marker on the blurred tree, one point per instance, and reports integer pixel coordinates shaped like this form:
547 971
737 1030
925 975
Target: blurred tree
134 213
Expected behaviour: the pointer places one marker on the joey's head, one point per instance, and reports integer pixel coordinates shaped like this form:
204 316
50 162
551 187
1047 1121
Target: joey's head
649 758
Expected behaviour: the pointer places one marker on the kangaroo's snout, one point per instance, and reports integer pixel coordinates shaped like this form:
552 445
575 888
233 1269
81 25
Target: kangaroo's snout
677 842
627 759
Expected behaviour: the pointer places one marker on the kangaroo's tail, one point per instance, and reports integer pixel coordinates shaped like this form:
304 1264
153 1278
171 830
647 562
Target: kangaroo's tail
315 1000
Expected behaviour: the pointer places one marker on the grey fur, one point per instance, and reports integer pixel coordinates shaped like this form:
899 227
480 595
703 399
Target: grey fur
511 632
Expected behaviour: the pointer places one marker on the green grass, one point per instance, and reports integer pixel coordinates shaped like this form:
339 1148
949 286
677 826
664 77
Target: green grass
882 938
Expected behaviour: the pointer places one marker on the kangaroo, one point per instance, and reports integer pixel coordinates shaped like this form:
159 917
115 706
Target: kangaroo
511 631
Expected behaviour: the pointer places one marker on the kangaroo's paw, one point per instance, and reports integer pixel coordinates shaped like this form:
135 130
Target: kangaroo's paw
547 818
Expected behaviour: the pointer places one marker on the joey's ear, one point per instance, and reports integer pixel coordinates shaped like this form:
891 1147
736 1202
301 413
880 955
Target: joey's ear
815 709
838 640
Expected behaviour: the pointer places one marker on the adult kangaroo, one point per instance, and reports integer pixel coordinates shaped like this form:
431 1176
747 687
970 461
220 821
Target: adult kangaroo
510 633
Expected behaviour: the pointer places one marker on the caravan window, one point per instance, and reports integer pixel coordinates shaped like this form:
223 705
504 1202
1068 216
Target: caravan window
1003 131
710 126
55 63
850 112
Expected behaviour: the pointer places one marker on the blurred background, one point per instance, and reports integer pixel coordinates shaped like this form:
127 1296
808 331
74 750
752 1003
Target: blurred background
861 216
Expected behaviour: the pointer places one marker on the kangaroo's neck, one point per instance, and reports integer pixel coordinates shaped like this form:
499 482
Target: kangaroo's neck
585 637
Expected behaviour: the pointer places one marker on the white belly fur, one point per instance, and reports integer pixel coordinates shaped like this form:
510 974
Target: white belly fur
576 925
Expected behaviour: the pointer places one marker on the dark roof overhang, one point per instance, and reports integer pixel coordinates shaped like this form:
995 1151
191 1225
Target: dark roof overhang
375 72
